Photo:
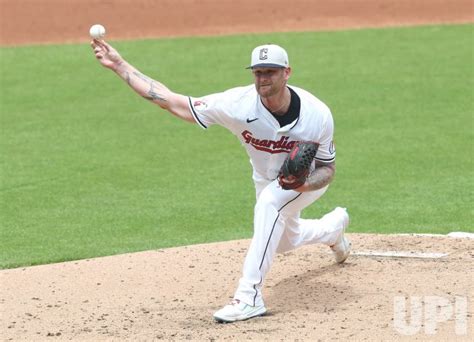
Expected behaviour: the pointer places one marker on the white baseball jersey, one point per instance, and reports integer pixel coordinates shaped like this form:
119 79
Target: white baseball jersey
241 111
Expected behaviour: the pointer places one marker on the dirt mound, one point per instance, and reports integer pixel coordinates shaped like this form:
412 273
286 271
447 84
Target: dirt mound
172 293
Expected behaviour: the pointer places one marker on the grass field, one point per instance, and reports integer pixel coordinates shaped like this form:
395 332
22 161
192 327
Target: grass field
88 168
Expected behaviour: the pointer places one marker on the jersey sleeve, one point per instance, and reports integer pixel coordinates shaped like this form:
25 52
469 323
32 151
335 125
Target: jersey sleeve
210 109
327 150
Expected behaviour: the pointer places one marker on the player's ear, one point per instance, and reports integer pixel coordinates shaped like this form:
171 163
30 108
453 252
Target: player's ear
287 73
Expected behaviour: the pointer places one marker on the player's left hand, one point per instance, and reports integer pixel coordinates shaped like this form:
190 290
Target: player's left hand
296 167
290 182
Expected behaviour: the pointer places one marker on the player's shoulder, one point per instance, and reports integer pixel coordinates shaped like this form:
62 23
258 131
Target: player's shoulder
306 96
228 98
239 98
238 93
310 102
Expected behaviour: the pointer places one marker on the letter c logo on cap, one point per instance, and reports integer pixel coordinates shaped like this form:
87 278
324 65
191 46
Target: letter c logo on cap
263 54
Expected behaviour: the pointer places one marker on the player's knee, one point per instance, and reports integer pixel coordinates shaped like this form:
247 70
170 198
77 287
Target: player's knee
266 201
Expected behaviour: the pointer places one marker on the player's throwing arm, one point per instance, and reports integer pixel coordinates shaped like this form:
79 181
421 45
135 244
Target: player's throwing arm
146 87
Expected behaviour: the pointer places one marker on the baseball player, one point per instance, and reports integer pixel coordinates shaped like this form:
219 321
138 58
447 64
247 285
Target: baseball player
268 117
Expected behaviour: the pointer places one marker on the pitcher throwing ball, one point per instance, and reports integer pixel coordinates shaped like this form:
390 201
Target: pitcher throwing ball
288 135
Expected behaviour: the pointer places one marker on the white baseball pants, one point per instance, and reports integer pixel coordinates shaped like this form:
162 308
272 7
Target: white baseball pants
278 228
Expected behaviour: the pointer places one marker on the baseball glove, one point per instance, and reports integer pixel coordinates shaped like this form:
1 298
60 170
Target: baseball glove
296 167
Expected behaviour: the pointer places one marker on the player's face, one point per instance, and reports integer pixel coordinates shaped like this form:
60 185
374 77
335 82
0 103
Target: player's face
270 81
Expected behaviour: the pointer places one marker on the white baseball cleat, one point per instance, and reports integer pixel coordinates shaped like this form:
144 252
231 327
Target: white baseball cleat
238 311
342 247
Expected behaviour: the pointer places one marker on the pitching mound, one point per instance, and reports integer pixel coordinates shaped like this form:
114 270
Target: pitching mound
172 294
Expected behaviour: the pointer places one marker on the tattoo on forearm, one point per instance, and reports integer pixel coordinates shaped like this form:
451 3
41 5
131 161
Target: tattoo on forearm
142 77
126 76
152 93
321 177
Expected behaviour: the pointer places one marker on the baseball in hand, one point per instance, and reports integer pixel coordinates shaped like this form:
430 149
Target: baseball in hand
97 31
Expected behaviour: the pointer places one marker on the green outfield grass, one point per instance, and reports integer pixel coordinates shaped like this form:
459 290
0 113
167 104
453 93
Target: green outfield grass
88 168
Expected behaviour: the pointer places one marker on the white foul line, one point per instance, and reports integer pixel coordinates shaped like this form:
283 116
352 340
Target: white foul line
401 254
456 235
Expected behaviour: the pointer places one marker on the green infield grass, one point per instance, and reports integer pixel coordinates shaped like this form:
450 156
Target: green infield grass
88 168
